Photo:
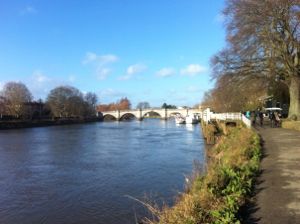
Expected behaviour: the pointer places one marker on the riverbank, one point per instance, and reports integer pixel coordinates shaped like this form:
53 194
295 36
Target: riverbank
218 195
17 124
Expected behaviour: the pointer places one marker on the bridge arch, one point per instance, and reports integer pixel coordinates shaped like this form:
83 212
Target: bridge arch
173 114
127 117
109 117
152 112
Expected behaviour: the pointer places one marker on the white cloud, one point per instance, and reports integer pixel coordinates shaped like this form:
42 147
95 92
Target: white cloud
193 69
165 72
89 57
38 77
100 63
40 84
71 78
137 68
133 70
28 10
99 60
102 73
108 58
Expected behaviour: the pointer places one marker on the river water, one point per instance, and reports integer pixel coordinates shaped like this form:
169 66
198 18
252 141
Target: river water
89 173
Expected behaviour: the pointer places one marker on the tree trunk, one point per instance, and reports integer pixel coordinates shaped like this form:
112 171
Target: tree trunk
294 89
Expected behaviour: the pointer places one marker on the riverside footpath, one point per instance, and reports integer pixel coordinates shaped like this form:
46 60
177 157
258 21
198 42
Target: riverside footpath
277 197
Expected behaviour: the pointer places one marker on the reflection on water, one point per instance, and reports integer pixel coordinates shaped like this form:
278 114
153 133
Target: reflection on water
190 127
83 173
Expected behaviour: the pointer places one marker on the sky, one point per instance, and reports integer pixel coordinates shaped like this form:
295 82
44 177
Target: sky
155 51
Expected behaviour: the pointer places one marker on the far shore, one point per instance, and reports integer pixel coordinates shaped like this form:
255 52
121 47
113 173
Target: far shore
17 124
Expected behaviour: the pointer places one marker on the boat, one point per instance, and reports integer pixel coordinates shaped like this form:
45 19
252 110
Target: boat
191 119
179 119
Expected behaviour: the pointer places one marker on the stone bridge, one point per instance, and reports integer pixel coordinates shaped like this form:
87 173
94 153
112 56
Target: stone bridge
140 114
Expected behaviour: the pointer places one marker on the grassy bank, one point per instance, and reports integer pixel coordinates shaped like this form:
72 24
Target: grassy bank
217 196
294 125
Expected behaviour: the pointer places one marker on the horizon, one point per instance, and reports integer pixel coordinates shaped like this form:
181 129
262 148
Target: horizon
157 52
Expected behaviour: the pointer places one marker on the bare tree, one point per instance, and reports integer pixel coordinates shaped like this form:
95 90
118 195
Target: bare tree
91 100
230 95
143 105
16 95
263 45
124 104
66 101
2 106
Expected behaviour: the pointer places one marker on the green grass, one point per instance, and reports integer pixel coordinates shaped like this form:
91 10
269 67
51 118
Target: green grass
217 196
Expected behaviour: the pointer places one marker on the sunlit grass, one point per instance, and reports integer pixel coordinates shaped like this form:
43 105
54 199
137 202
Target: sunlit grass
217 196
294 125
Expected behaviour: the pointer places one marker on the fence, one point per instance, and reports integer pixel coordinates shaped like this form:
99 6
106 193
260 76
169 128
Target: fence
246 121
207 115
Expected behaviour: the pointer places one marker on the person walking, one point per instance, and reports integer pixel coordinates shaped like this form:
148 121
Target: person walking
248 114
253 118
272 118
276 119
261 117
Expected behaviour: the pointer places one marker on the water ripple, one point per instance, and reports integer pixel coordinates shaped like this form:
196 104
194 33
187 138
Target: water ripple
81 173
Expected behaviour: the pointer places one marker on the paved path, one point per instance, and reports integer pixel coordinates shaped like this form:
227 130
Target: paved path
278 189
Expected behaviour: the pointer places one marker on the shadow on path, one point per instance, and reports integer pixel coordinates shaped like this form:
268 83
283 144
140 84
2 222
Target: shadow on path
277 192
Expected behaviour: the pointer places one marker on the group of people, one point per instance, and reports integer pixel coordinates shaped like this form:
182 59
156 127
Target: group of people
252 115
273 117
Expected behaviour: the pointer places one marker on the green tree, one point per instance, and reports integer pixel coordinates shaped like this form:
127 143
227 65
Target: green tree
168 106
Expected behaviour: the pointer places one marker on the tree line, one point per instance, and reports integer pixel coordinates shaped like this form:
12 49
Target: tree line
16 101
261 57
122 104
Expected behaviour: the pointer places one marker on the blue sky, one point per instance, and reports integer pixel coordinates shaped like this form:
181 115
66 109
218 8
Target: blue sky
156 51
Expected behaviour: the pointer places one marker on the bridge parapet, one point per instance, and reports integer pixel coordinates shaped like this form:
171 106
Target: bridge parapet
206 115
140 113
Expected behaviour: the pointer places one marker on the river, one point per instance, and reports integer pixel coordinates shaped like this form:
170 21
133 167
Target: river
89 173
